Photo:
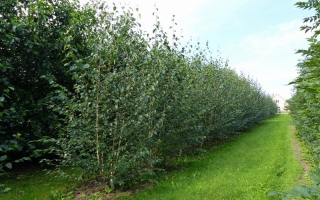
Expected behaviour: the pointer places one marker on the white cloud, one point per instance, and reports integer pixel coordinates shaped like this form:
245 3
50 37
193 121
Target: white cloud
270 56
279 39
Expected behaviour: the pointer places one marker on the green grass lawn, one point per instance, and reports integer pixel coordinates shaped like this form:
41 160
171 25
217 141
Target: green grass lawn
36 184
247 167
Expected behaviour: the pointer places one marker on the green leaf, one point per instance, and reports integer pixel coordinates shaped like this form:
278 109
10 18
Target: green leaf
26 158
2 158
8 165
31 146
4 146
86 66
14 141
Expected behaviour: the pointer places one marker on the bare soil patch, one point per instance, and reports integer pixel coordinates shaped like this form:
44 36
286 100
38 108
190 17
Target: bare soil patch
102 191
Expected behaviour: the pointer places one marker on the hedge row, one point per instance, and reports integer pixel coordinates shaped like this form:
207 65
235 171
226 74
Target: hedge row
109 98
140 100
304 104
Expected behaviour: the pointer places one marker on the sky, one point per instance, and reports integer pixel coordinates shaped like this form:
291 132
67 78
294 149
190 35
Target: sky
258 38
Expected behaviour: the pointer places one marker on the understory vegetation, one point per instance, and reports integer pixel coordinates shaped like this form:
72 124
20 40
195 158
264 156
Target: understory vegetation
85 86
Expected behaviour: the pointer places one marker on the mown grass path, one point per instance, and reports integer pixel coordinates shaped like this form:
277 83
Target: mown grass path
247 167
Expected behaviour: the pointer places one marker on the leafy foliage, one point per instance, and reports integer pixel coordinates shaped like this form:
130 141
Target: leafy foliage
88 85
32 41
304 192
31 57
139 100
304 104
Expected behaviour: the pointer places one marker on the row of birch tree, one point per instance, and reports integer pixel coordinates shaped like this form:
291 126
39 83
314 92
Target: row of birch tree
86 86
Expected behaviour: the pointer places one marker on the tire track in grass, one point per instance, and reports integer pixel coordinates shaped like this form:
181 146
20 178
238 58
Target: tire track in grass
247 167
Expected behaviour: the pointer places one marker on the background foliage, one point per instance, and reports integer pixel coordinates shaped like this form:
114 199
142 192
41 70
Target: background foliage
88 86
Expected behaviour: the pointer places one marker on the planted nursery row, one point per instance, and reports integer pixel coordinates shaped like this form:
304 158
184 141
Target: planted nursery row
85 86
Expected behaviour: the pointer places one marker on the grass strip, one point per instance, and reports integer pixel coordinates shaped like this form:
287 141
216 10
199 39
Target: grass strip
247 167
37 184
